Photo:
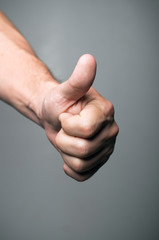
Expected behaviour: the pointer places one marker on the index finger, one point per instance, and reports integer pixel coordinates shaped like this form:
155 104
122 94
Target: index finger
89 122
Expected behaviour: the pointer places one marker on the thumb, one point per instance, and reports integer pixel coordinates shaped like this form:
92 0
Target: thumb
81 79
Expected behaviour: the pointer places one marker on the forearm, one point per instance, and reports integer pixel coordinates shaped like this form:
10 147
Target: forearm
23 77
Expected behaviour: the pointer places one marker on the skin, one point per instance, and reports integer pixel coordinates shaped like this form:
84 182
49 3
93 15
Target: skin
77 120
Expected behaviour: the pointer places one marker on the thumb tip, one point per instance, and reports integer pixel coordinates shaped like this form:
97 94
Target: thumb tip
89 60
81 79
85 70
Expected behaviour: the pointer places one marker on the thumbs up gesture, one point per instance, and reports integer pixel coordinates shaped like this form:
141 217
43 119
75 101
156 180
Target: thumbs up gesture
79 122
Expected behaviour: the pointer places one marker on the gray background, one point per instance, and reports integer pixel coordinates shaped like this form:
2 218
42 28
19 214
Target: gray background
37 200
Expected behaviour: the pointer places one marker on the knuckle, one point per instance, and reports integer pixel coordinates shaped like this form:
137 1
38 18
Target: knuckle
110 151
115 130
83 148
109 110
87 129
81 179
65 169
58 139
78 166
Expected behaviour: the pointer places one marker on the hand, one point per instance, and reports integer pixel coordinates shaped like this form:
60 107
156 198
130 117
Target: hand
79 122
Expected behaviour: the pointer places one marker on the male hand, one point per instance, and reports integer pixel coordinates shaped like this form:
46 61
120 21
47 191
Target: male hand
79 122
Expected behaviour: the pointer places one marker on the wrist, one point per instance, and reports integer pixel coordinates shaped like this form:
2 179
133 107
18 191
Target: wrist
36 99
24 79
39 85
24 84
